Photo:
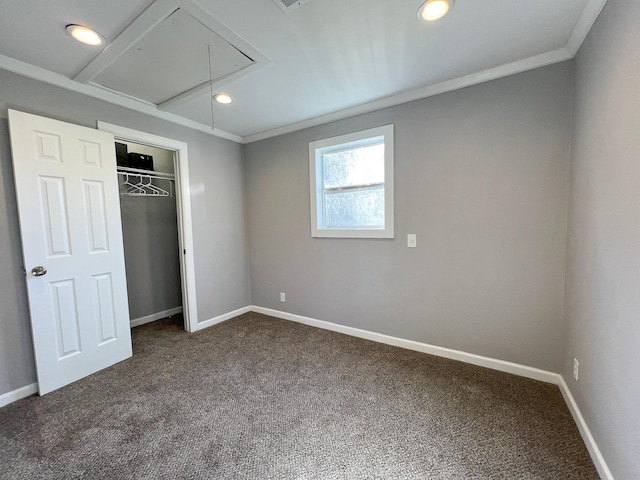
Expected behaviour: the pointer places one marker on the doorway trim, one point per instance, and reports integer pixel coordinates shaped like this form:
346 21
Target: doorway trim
183 204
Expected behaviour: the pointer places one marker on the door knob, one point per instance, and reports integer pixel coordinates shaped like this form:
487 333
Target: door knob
38 271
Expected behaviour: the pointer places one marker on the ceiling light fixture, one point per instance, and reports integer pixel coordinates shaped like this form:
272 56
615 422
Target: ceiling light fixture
223 98
434 9
84 34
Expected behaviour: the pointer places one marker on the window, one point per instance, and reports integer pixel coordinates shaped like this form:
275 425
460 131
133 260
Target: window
352 185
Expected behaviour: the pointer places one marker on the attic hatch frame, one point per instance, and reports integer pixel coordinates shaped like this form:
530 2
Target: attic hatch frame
289 5
183 209
154 15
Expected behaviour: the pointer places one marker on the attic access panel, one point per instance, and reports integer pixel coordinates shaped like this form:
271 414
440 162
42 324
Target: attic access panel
171 59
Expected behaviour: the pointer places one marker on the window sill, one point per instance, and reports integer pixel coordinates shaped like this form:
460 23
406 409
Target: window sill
354 233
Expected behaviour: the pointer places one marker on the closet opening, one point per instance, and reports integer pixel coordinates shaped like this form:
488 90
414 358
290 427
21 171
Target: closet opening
155 207
146 180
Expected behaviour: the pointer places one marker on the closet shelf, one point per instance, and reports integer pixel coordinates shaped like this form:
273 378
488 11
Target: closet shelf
145 183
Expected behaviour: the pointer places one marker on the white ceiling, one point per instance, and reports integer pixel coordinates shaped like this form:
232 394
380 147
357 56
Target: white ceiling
286 70
144 72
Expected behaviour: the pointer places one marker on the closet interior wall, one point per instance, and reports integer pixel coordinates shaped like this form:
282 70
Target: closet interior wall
151 249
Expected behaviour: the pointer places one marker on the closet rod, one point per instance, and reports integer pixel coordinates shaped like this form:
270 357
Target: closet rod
146 173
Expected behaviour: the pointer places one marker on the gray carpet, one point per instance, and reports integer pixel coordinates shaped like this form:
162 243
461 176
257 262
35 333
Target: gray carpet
262 398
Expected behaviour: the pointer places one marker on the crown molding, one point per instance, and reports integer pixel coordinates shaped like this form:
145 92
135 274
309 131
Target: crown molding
46 76
583 26
580 31
519 66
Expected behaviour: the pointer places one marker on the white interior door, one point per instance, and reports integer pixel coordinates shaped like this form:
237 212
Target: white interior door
69 209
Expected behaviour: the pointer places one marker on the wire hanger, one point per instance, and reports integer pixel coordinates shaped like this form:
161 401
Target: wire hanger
136 183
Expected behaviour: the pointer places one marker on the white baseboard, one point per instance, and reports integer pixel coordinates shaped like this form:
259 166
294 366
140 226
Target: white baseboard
18 394
592 447
136 322
221 318
495 364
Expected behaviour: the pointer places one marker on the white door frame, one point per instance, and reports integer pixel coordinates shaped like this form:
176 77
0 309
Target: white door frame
183 204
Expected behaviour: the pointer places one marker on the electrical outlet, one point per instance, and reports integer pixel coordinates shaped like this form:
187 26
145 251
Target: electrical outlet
282 297
576 368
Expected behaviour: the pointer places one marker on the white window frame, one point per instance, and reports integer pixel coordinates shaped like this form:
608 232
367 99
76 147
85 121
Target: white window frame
316 149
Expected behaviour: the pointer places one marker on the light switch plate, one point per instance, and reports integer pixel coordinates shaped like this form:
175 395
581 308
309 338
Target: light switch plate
412 241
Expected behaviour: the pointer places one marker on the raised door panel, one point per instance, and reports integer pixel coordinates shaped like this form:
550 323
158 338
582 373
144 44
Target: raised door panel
65 315
91 153
48 147
55 223
96 216
104 308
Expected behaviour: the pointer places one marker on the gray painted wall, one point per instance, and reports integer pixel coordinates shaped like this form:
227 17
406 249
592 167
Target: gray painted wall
217 195
603 255
151 250
481 178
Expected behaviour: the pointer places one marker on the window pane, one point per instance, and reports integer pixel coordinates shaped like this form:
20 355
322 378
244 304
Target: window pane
356 166
355 208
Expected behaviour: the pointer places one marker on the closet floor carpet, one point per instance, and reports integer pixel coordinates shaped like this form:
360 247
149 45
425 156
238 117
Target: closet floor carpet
262 398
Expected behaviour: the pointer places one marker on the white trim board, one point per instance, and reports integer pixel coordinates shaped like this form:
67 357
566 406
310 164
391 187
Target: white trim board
221 318
592 447
471 358
91 90
23 392
18 394
136 322
501 365
204 17
183 210
46 76
583 26
150 18
580 31
531 63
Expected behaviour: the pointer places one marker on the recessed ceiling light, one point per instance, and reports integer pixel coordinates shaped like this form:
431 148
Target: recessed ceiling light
84 34
434 9
223 98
